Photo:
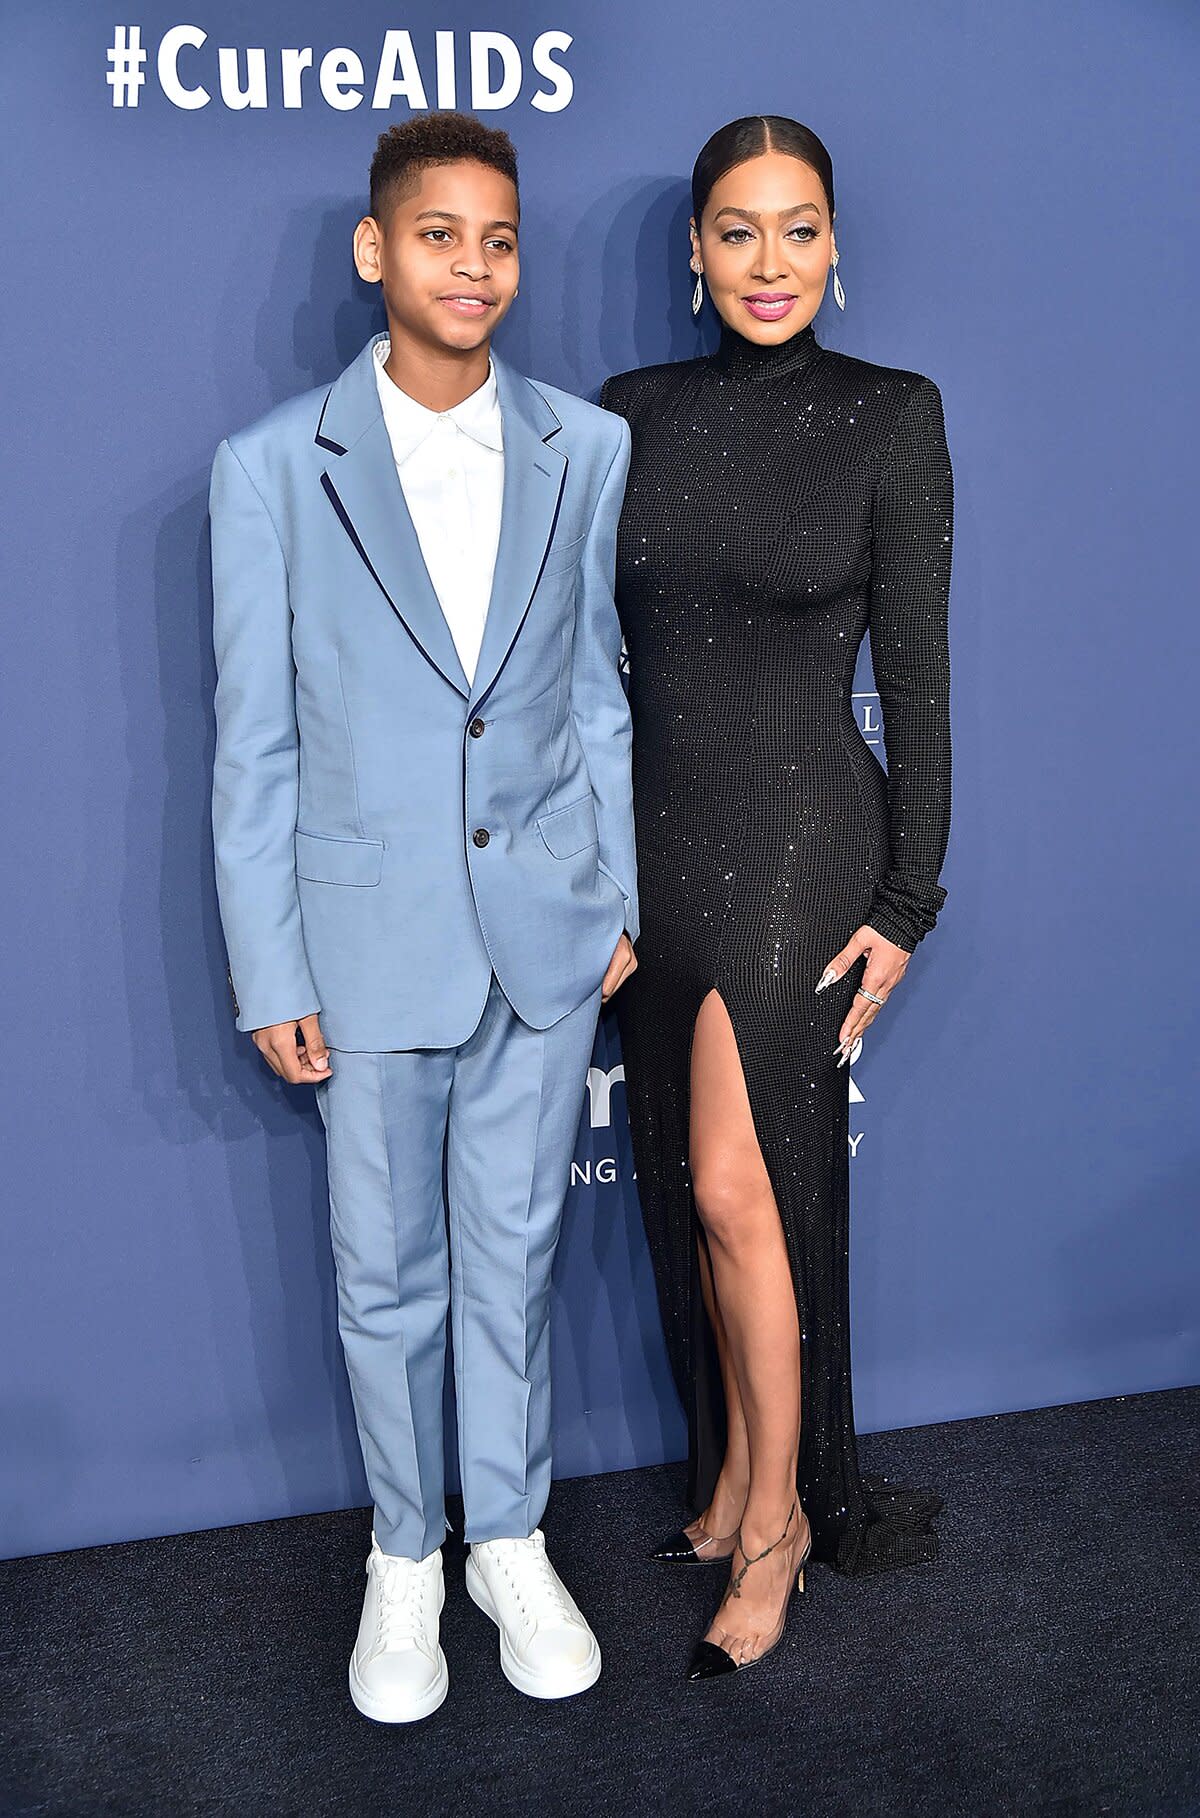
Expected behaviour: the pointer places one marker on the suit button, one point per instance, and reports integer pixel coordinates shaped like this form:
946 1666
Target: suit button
476 729
481 836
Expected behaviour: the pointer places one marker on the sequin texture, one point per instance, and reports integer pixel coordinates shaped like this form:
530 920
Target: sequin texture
781 503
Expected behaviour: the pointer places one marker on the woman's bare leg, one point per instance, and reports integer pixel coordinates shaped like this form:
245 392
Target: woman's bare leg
753 1292
723 1515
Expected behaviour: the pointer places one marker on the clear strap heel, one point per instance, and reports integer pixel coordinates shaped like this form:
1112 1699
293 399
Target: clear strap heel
694 1545
710 1661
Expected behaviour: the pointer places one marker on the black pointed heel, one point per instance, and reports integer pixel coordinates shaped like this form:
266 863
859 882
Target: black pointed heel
680 1549
712 1662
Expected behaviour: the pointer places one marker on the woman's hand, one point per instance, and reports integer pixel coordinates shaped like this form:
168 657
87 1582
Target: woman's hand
886 965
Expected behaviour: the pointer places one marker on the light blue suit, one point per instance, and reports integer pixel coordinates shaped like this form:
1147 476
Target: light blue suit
442 869
345 879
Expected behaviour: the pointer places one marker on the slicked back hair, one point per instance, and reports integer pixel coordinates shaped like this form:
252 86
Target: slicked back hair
750 137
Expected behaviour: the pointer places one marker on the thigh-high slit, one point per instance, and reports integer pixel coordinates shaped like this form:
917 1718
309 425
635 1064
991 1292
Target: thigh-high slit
801 1116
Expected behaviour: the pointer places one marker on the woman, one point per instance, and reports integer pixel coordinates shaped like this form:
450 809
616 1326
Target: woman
782 499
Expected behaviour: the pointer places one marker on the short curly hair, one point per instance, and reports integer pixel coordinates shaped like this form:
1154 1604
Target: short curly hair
411 146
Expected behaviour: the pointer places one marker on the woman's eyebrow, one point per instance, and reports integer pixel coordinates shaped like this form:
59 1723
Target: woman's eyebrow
752 214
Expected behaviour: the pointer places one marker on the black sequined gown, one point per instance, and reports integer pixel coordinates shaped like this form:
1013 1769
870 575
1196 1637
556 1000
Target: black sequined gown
780 502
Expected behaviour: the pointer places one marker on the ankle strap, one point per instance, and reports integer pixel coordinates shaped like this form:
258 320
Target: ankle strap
736 1580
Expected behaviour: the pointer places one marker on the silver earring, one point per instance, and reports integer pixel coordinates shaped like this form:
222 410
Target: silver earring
839 295
698 294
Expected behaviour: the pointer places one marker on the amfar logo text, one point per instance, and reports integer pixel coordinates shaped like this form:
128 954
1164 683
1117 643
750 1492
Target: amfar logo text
484 71
603 1169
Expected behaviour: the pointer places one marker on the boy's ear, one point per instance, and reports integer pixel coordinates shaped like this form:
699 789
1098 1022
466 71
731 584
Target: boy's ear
366 249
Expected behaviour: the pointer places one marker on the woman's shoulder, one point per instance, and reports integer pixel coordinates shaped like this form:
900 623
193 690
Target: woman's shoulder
628 392
893 386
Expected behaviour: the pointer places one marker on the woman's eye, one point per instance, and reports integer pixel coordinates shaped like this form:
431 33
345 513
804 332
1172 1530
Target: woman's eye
804 231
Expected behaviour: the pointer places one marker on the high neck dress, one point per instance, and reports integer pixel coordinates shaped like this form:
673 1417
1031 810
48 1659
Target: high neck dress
781 502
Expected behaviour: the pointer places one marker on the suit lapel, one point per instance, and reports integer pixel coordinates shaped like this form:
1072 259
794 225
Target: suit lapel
534 475
364 489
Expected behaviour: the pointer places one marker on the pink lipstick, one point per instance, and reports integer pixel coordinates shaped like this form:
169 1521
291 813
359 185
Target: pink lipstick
770 305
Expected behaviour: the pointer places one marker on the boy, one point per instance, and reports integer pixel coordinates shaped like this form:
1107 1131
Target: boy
425 865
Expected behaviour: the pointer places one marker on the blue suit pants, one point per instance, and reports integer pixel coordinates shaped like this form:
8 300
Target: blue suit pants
448 1169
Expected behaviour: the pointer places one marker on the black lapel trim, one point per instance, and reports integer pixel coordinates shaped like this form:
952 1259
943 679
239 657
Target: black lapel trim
325 441
331 494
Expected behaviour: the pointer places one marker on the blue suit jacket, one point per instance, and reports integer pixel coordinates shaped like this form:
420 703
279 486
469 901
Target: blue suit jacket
386 833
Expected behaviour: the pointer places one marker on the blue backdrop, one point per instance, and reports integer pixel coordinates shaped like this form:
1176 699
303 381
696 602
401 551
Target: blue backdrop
1017 216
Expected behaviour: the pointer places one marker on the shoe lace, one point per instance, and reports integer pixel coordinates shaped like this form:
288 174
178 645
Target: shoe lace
536 1586
399 1612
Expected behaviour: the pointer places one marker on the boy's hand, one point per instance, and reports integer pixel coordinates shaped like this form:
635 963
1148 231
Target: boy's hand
620 966
296 1051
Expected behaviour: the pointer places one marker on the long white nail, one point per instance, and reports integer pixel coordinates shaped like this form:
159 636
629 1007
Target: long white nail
827 977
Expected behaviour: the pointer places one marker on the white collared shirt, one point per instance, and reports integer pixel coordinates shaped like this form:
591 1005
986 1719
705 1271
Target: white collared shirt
451 467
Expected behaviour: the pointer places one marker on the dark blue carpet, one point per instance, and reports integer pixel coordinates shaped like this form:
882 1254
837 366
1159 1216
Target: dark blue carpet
1046 1663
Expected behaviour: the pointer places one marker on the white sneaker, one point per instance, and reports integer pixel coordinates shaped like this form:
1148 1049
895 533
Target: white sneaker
398 1672
546 1646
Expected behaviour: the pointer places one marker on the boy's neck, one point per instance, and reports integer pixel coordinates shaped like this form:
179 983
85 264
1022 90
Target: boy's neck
437 377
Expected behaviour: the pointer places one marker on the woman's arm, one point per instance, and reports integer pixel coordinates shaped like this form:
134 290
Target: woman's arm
912 531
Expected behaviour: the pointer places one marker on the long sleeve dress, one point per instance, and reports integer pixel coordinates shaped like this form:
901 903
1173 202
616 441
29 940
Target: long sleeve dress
781 502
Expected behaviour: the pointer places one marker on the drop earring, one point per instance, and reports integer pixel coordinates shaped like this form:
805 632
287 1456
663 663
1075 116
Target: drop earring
698 293
839 295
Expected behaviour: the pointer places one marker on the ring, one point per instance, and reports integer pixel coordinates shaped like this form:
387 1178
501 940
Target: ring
863 992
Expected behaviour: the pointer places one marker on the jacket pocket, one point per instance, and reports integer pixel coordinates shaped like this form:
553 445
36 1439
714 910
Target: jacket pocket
570 829
563 556
324 859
